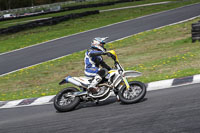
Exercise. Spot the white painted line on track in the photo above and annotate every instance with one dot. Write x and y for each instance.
(96, 29)
(27, 21)
(113, 9)
(109, 42)
(128, 7)
(33, 65)
(158, 28)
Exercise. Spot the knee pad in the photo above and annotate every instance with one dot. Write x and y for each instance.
(102, 72)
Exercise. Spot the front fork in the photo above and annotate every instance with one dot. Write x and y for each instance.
(125, 80)
(121, 85)
(126, 83)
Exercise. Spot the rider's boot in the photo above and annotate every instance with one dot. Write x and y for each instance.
(92, 87)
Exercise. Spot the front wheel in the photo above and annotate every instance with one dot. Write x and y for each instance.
(134, 94)
(65, 100)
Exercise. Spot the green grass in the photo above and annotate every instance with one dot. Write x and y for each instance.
(43, 34)
(159, 54)
(5, 24)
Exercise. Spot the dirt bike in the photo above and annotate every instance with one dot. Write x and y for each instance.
(114, 83)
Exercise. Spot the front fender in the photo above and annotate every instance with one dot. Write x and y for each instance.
(130, 73)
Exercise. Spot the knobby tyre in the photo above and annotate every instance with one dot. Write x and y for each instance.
(136, 93)
(64, 102)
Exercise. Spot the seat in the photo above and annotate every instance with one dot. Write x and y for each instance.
(84, 79)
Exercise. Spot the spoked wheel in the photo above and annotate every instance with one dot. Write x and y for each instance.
(65, 100)
(134, 94)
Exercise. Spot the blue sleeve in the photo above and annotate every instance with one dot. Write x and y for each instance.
(95, 53)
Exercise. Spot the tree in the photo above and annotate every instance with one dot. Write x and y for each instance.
(3, 5)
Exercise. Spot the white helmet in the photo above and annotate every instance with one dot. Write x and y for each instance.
(96, 43)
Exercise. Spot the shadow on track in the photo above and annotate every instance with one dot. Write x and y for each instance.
(109, 101)
(141, 101)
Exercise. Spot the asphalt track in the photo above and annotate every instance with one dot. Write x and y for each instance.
(50, 50)
(173, 110)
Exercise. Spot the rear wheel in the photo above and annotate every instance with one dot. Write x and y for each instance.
(134, 94)
(65, 100)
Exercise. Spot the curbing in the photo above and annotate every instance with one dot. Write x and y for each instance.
(157, 85)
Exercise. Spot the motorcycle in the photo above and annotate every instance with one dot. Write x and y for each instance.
(115, 83)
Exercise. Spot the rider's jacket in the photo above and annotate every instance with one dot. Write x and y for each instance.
(93, 60)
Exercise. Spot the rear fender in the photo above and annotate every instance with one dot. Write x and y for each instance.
(70, 79)
(62, 82)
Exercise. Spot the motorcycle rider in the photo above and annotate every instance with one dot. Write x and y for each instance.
(93, 60)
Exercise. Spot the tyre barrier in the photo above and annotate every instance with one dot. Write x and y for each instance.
(98, 4)
(195, 32)
(45, 22)
(72, 8)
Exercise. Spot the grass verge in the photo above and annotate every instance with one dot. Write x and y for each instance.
(43, 34)
(159, 54)
(5, 24)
